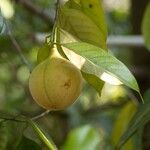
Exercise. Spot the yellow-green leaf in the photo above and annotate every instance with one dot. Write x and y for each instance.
(93, 9)
(81, 26)
(146, 26)
(121, 124)
(43, 53)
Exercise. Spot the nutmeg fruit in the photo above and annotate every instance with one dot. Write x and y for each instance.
(55, 83)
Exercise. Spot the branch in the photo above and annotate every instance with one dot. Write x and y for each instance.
(4, 118)
(17, 46)
(36, 11)
(11, 119)
(40, 115)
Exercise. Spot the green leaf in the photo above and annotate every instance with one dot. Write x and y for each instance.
(75, 4)
(146, 26)
(122, 122)
(94, 81)
(93, 9)
(81, 26)
(43, 53)
(48, 143)
(141, 117)
(65, 37)
(82, 138)
(102, 62)
(27, 144)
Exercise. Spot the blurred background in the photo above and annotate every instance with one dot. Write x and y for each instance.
(93, 122)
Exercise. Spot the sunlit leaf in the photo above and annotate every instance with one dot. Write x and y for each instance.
(146, 26)
(27, 144)
(82, 138)
(103, 62)
(78, 24)
(93, 9)
(141, 117)
(66, 37)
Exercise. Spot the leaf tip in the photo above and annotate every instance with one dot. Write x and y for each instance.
(141, 98)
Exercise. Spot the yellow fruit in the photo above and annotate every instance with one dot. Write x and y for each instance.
(55, 83)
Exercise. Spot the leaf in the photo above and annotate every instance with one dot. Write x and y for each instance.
(65, 37)
(93, 9)
(75, 4)
(94, 81)
(81, 26)
(146, 26)
(122, 122)
(141, 117)
(102, 62)
(48, 143)
(82, 138)
(27, 144)
(43, 53)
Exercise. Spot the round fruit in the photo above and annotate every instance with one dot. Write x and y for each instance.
(55, 83)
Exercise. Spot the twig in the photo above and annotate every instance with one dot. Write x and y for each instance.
(37, 11)
(11, 119)
(40, 115)
(17, 47)
(57, 9)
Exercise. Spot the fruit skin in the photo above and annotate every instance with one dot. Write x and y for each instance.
(55, 83)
